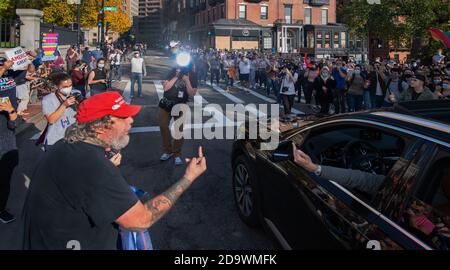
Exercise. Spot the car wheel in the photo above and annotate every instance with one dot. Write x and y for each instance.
(245, 192)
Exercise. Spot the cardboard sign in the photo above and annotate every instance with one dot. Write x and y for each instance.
(19, 57)
(49, 46)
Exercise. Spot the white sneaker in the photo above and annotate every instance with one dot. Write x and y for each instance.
(178, 161)
(165, 157)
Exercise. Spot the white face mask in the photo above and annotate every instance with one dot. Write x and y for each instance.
(101, 65)
(66, 91)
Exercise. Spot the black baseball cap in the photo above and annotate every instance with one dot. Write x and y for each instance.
(419, 77)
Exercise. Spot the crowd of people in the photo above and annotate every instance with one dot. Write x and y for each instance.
(337, 86)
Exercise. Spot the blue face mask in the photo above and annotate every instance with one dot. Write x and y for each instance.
(445, 86)
(436, 82)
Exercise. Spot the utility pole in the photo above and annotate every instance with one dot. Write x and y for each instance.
(102, 33)
(78, 2)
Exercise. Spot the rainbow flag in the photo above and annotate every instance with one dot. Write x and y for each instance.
(441, 36)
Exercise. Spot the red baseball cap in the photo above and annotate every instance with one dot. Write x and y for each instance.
(107, 103)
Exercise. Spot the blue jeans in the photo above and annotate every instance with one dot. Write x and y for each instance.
(366, 100)
(136, 77)
(377, 101)
(252, 77)
(354, 102)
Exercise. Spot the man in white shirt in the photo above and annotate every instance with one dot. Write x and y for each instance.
(137, 70)
(114, 62)
(244, 71)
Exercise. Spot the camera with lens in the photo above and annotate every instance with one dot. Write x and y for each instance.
(78, 97)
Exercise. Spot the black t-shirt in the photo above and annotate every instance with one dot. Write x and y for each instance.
(76, 194)
(415, 95)
(178, 92)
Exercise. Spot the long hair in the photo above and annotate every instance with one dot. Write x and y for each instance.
(86, 132)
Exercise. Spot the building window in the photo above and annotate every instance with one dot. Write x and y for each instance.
(327, 40)
(324, 16)
(308, 15)
(242, 11)
(343, 40)
(267, 43)
(264, 12)
(319, 38)
(288, 13)
(336, 40)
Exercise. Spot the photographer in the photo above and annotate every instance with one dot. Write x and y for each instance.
(288, 77)
(79, 77)
(57, 109)
(78, 197)
(181, 83)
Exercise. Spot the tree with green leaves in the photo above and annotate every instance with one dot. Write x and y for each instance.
(398, 20)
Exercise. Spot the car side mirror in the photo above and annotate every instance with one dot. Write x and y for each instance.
(284, 152)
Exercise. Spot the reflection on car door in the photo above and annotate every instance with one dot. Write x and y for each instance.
(287, 210)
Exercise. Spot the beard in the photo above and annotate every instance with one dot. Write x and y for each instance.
(119, 143)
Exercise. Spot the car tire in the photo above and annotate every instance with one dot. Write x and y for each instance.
(245, 192)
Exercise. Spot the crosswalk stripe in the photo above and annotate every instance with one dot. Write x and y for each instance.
(267, 99)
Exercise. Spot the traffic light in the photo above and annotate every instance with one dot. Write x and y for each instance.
(209, 33)
(100, 19)
(108, 27)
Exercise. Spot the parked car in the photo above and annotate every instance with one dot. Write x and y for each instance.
(408, 144)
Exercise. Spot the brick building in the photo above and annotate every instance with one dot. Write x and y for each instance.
(286, 25)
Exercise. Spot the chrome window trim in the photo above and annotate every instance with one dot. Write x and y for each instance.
(393, 224)
(425, 137)
(429, 123)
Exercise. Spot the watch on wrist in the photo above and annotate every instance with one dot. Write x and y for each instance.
(318, 172)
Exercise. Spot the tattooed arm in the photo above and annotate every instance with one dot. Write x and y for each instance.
(142, 216)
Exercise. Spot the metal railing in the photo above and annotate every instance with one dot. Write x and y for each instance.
(9, 33)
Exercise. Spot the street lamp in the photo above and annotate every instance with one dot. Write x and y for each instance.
(78, 3)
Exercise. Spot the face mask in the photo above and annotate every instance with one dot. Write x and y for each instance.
(357, 72)
(101, 66)
(445, 86)
(325, 75)
(447, 71)
(136, 55)
(436, 82)
(66, 91)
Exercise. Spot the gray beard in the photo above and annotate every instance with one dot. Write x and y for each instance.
(120, 143)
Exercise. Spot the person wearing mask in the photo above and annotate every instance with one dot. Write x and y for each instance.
(9, 154)
(78, 75)
(444, 93)
(395, 85)
(97, 78)
(114, 60)
(310, 76)
(356, 81)
(86, 55)
(253, 71)
(418, 91)
(228, 67)
(324, 86)
(180, 84)
(339, 74)
(97, 53)
(138, 70)
(287, 90)
(263, 68)
(57, 109)
(79, 195)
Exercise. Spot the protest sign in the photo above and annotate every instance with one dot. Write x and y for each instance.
(49, 46)
(19, 57)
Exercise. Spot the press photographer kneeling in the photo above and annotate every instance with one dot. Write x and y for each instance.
(180, 84)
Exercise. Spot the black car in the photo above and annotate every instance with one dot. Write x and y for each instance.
(407, 145)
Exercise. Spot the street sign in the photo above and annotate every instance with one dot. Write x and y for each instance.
(111, 8)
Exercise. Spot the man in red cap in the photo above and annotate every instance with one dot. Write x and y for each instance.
(78, 197)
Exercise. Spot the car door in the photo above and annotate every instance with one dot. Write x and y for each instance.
(286, 210)
(421, 204)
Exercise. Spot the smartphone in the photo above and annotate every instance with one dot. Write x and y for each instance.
(109, 154)
(4, 99)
